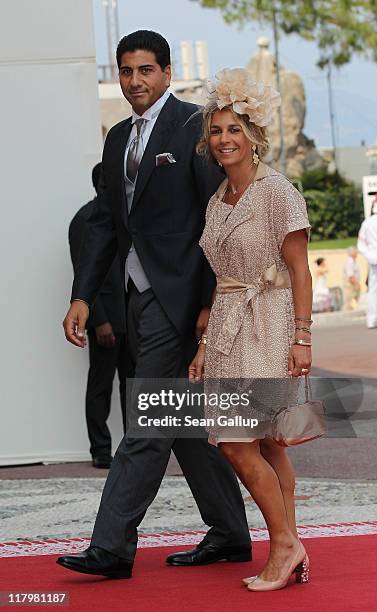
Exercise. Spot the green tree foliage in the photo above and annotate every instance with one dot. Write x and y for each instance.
(294, 15)
(339, 27)
(344, 28)
(335, 205)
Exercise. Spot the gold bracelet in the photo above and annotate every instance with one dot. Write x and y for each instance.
(305, 329)
(203, 339)
(305, 320)
(302, 342)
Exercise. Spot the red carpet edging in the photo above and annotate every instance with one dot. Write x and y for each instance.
(160, 540)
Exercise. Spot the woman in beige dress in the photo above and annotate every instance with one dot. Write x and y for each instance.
(255, 239)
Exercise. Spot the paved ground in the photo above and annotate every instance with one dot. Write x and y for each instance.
(345, 346)
(324, 458)
(65, 508)
(336, 476)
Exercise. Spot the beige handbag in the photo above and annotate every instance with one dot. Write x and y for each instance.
(300, 423)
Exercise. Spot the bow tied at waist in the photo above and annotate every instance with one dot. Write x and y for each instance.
(249, 298)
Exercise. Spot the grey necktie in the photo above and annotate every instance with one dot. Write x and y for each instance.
(135, 152)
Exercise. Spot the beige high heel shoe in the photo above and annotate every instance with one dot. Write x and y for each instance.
(299, 566)
(247, 581)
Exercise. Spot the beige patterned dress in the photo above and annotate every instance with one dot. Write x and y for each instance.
(250, 331)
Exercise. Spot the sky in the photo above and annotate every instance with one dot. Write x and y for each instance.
(355, 85)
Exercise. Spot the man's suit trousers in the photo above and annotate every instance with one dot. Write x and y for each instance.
(156, 350)
(103, 365)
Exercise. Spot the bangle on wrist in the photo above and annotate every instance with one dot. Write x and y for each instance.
(203, 339)
(301, 342)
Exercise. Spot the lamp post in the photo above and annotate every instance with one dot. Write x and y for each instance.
(332, 115)
(282, 157)
(112, 31)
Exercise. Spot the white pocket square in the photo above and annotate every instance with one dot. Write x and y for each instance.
(165, 158)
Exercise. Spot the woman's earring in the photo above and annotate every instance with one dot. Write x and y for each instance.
(220, 164)
(255, 154)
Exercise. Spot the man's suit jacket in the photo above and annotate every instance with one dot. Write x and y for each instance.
(166, 219)
(109, 305)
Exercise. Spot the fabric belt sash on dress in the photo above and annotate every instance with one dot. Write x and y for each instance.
(250, 293)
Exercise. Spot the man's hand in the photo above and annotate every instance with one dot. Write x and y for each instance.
(74, 323)
(202, 322)
(105, 335)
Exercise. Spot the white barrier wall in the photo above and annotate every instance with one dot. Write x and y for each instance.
(50, 140)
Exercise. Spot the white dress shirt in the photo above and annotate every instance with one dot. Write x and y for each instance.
(134, 268)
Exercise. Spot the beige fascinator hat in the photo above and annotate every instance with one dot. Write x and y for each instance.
(236, 88)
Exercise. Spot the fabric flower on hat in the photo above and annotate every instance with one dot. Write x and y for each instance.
(235, 87)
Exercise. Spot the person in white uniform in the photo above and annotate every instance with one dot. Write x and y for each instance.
(367, 246)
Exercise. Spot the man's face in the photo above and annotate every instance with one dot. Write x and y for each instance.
(142, 79)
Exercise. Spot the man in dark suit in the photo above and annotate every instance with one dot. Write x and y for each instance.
(106, 328)
(151, 205)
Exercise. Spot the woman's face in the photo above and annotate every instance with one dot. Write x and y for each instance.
(227, 142)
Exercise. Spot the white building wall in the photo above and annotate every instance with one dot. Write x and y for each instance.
(50, 140)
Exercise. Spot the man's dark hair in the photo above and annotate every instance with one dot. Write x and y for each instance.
(96, 173)
(145, 40)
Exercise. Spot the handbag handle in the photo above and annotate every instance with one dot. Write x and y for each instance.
(308, 389)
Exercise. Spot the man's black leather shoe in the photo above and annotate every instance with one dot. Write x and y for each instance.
(97, 561)
(103, 462)
(206, 553)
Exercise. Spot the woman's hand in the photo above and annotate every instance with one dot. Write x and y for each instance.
(196, 367)
(202, 322)
(299, 360)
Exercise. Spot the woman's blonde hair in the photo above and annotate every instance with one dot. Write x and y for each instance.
(257, 135)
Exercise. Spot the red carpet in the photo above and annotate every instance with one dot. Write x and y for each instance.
(343, 578)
